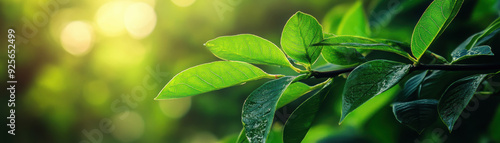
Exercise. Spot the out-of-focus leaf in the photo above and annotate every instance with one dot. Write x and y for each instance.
(386, 10)
(357, 42)
(456, 98)
(301, 119)
(432, 23)
(208, 77)
(354, 22)
(299, 34)
(259, 108)
(369, 80)
(294, 91)
(247, 48)
(417, 114)
(411, 86)
(461, 54)
(332, 19)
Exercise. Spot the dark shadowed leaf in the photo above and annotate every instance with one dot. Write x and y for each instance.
(299, 34)
(436, 82)
(461, 54)
(247, 48)
(412, 85)
(417, 114)
(369, 80)
(259, 108)
(211, 76)
(432, 23)
(477, 39)
(456, 98)
(301, 119)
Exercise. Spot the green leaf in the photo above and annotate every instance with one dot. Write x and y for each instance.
(461, 54)
(470, 47)
(475, 39)
(433, 22)
(354, 21)
(247, 48)
(299, 34)
(294, 91)
(417, 114)
(435, 83)
(369, 80)
(301, 119)
(241, 137)
(342, 56)
(209, 77)
(457, 97)
(411, 86)
(362, 43)
(259, 108)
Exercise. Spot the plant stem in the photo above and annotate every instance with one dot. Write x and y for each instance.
(478, 67)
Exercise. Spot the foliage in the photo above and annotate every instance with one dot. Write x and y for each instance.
(303, 40)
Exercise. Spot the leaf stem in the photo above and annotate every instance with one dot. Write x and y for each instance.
(478, 67)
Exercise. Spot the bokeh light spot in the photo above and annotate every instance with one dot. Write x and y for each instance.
(109, 18)
(175, 108)
(77, 38)
(140, 20)
(129, 126)
(183, 3)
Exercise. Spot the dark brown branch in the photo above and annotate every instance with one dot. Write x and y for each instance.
(317, 74)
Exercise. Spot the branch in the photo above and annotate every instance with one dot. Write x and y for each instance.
(317, 74)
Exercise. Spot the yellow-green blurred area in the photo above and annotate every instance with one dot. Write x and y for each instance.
(88, 71)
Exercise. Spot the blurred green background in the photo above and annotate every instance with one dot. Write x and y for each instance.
(83, 64)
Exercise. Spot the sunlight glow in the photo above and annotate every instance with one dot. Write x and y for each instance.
(183, 3)
(77, 38)
(109, 18)
(140, 20)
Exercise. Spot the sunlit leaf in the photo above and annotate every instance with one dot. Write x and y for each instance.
(412, 85)
(299, 34)
(294, 91)
(369, 80)
(457, 97)
(247, 48)
(342, 56)
(259, 108)
(301, 119)
(417, 114)
(432, 23)
(357, 42)
(208, 77)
